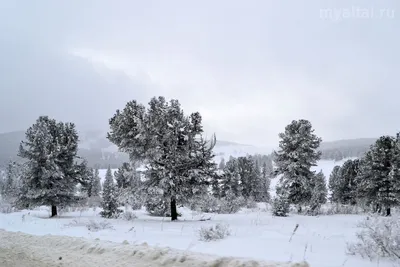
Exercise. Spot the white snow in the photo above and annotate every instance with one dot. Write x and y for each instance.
(18, 248)
(320, 241)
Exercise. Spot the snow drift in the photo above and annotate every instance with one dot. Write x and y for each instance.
(41, 251)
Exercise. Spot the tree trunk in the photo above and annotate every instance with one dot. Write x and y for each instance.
(174, 212)
(388, 213)
(53, 211)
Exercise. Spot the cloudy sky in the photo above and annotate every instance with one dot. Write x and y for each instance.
(249, 67)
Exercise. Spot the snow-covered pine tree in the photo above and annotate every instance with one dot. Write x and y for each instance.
(266, 172)
(129, 186)
(258, 183)
(221, 165)
(215, 184)
(88, 176)
(124, 176)
(394, 178)
(334, 185)
(375, 181)
(96, 183)
(110, 198)
(179, 159)
(247, 176)
(297, 154)
(319, 194)
(347, 182)
(11, 181)
(51, 174)
(230, 180)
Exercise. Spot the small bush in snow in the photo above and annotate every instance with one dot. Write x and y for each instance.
(332, 209)
(6, 207)
(128, 216)
(213, 233)
(251, 204)
(94, 226)
(379, 237)
(280, 206)
(231, 204)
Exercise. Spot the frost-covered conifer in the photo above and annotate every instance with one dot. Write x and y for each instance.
(11, 181)
(377, 181)
(230, 180)
(334, 185)
(51, 174)
(319, 194)
(179, 159)
(266, 172)
(347, 182)
(110, 198)
(96, 183)
(297, 154)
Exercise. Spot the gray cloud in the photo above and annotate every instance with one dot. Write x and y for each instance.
(249, 67)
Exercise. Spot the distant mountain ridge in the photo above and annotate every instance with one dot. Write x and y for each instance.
(95, 147)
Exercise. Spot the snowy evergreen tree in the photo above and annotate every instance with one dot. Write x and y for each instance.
(110, 198)
(221, 165)
(297, 154)
(378, 181)
(230, 180)
(11, 181)
(319, 194)
(266, 172)
(96, 183)
(347, 182)
(52, 174)
(334, 185)
(124, 176)
(129, 186)
(216, 184)
(87, 177)
(247, 176)
(280, 205)
(179, 159)
(258, 183)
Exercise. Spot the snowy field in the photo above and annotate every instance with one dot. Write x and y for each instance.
(255, 234)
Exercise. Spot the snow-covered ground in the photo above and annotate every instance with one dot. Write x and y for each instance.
(320, 241)
(18, 249)
(256, 234)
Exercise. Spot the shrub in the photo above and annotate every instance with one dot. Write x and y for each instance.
(251, 204)
(379, 237)
(5, 207)
(94, 226)
(280, 206)
(332, 209)
(128, 216)
(213, 233)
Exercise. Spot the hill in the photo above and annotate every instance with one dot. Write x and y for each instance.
(95, 147)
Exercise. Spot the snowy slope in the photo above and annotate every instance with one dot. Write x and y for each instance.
(78, 252)
(320, 241)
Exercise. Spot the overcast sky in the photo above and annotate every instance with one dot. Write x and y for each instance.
(249, 67)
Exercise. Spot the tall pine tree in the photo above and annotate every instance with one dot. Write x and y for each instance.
(179, 159)
(378, 181)
(297, 154)
(334, 185)
(52, 173)
(110, 198)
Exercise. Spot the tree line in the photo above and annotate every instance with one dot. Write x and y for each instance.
(179, 168)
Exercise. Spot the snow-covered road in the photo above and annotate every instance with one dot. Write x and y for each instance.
(23, 250)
